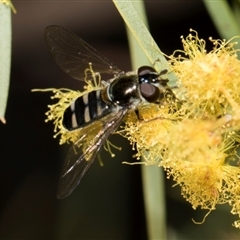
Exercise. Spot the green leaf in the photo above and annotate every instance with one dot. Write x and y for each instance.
(5, 57)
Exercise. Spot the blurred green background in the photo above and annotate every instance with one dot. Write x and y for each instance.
(108, 204)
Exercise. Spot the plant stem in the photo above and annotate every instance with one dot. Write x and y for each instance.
(142, 51)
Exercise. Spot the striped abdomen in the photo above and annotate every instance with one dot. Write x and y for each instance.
(84, 110)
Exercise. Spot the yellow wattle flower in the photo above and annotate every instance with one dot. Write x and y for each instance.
(201, 155)
(64, 98)
(197, 140)
(194, 137)
(208, 81)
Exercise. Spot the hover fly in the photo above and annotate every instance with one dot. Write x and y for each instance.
(98, 113)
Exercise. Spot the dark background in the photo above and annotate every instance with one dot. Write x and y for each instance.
(108, 204)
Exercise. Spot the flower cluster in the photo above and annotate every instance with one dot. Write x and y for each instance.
(65, 97)
(194, 132)
(198, 143)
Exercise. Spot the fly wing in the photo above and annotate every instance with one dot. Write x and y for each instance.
(73, 54)
(82, 154)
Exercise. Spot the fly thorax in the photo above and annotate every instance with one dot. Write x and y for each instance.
(124, 91)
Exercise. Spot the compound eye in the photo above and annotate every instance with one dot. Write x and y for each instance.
(147, 74)
(146, 70)
(150, 92)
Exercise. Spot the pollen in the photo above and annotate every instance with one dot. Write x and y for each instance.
(208, 81)
(149, 134)
(196, 139)
(202, 154)
(64, 98)
(195, 159)
(193, 133)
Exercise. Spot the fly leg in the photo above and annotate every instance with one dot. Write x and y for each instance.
(140, 119)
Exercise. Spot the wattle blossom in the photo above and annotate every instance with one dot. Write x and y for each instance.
(198, 143)
(193, 134)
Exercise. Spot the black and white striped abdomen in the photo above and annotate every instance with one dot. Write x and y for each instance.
(84, 110)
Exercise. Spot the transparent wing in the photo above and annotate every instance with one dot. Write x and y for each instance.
(73, 54)
(82, 154)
